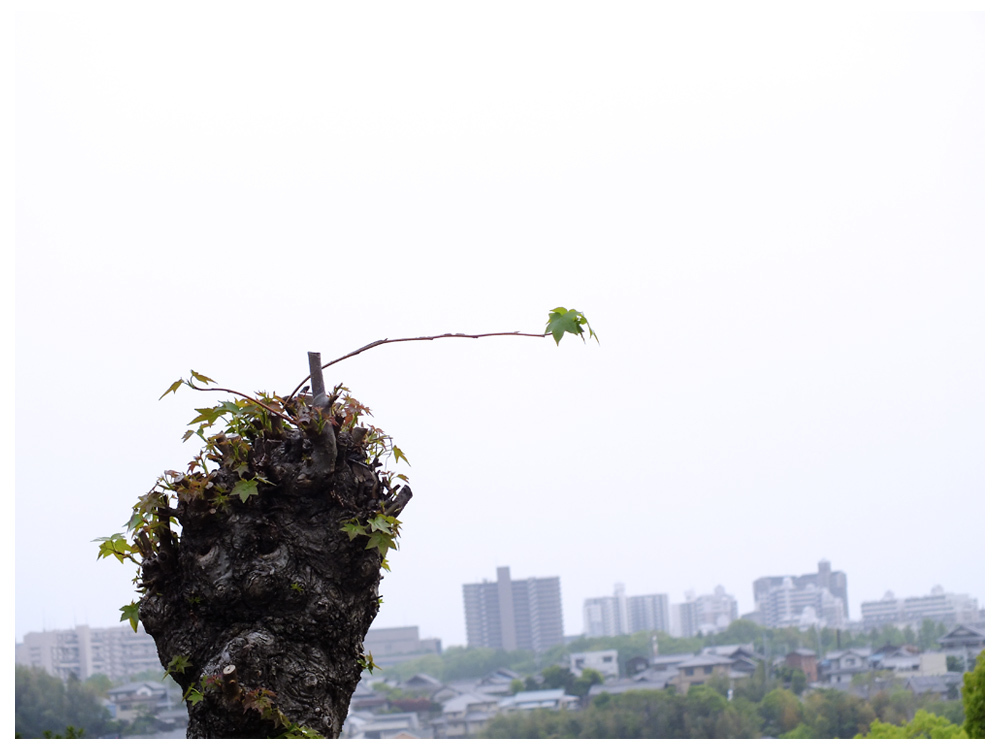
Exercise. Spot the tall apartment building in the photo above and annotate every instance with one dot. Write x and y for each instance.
(707, 613)
(620, 614)
(649, 612)
(84, 651)
(510, 615)
(940, 606)
(814, 598)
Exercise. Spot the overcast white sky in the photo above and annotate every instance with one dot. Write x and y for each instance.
(774, 220)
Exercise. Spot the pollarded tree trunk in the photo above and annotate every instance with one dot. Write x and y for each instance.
(261, 605)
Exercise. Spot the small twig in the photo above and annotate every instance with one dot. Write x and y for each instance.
(373, 344)
(248, 398)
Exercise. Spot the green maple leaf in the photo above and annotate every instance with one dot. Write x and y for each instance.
(380, 523)
(130, 612)
(172, 389)
(208, 415)
(381, 540)
(245, 488)
(562, 321)
(179, 663)
(115, 545)
(352, 530)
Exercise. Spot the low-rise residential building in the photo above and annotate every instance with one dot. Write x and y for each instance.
(804, 659)
(697, 671)
(841, 666)
(947, 686)
(742, 654)
(422, 684)
(659, 681)
(968, 637)
(386, 727)
(138, 699)
(496, 683)
(366, 698)
(605, 662)
(933, 664)
(665, 662)
(907, 661)
(529, 700)
(964, 642)
(464, 715)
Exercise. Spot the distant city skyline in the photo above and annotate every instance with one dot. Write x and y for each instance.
(531, 622)
(877, 604)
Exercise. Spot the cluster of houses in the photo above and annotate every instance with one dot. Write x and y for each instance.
(461, 709)
(158, 701)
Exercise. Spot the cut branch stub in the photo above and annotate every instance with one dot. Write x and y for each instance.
(230, 683)
(320, 399)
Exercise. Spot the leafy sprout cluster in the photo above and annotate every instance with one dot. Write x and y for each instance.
(220, 473)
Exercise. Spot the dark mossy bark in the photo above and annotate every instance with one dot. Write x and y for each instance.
(268, 599)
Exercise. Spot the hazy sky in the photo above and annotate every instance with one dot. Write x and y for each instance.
(774, 220)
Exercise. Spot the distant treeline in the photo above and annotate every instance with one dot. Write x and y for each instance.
(705, 713)
(45, 706)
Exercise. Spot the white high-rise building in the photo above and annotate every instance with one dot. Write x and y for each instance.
(621, 614)
(703, 614)
(781, 600)
(940, 606)
(84, 651)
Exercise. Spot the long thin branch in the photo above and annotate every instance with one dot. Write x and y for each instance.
(248, 398)
(373, 344)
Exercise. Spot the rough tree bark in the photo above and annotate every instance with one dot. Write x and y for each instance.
(268, 601)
